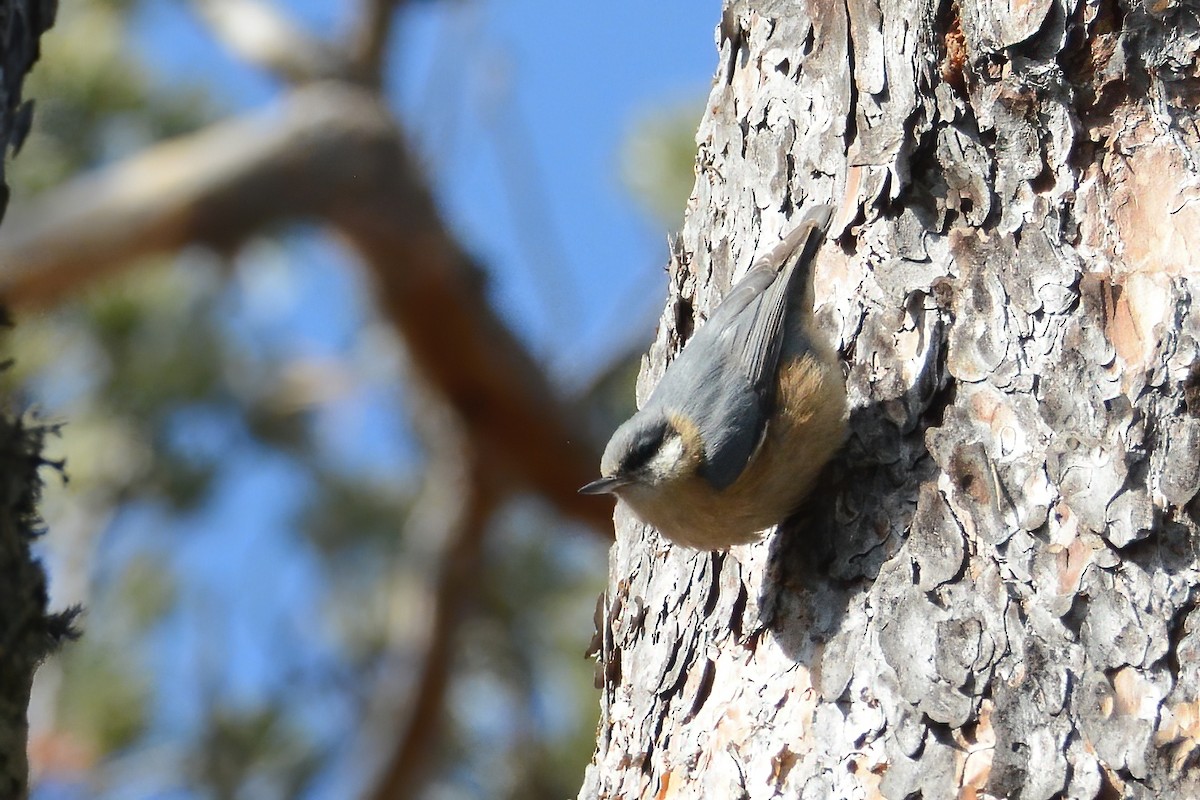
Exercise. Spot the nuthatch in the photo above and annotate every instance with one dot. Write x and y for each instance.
(744, 418)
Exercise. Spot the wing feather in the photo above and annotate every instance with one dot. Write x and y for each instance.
(725, 377)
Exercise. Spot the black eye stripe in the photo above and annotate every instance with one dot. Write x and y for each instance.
(643, 450)
(643, 453)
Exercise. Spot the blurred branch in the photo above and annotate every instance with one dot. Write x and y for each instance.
(451, 514)
(329, 152)
(371, 38)
(261, 35)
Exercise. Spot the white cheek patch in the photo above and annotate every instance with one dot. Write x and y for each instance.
(667, 460)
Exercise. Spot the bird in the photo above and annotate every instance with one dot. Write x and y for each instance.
(744, 419)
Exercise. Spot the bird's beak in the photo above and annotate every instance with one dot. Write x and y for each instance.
(604, 485)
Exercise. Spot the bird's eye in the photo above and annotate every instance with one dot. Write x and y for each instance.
(641, 452)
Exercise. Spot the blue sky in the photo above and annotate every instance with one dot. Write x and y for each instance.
(519, 108)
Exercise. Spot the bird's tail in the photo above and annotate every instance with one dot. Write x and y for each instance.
(799, 246)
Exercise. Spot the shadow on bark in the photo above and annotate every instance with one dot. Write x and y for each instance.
(831, 550)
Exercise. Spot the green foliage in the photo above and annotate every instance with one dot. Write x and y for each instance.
(145, 592)
(105, 695)
(94, 99)
(658, 158)
(118, 364)
(253, 753)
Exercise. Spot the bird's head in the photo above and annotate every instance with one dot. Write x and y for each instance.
(651, 451)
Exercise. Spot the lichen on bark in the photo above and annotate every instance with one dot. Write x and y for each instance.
(27, 632)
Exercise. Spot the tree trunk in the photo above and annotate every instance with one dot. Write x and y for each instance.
(995, 592)
(27, 633)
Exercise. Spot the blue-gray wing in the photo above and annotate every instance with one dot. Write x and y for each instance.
(756, 334)
(725, 377)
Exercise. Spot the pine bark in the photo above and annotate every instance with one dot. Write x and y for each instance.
(995, 591)
(27, 632)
